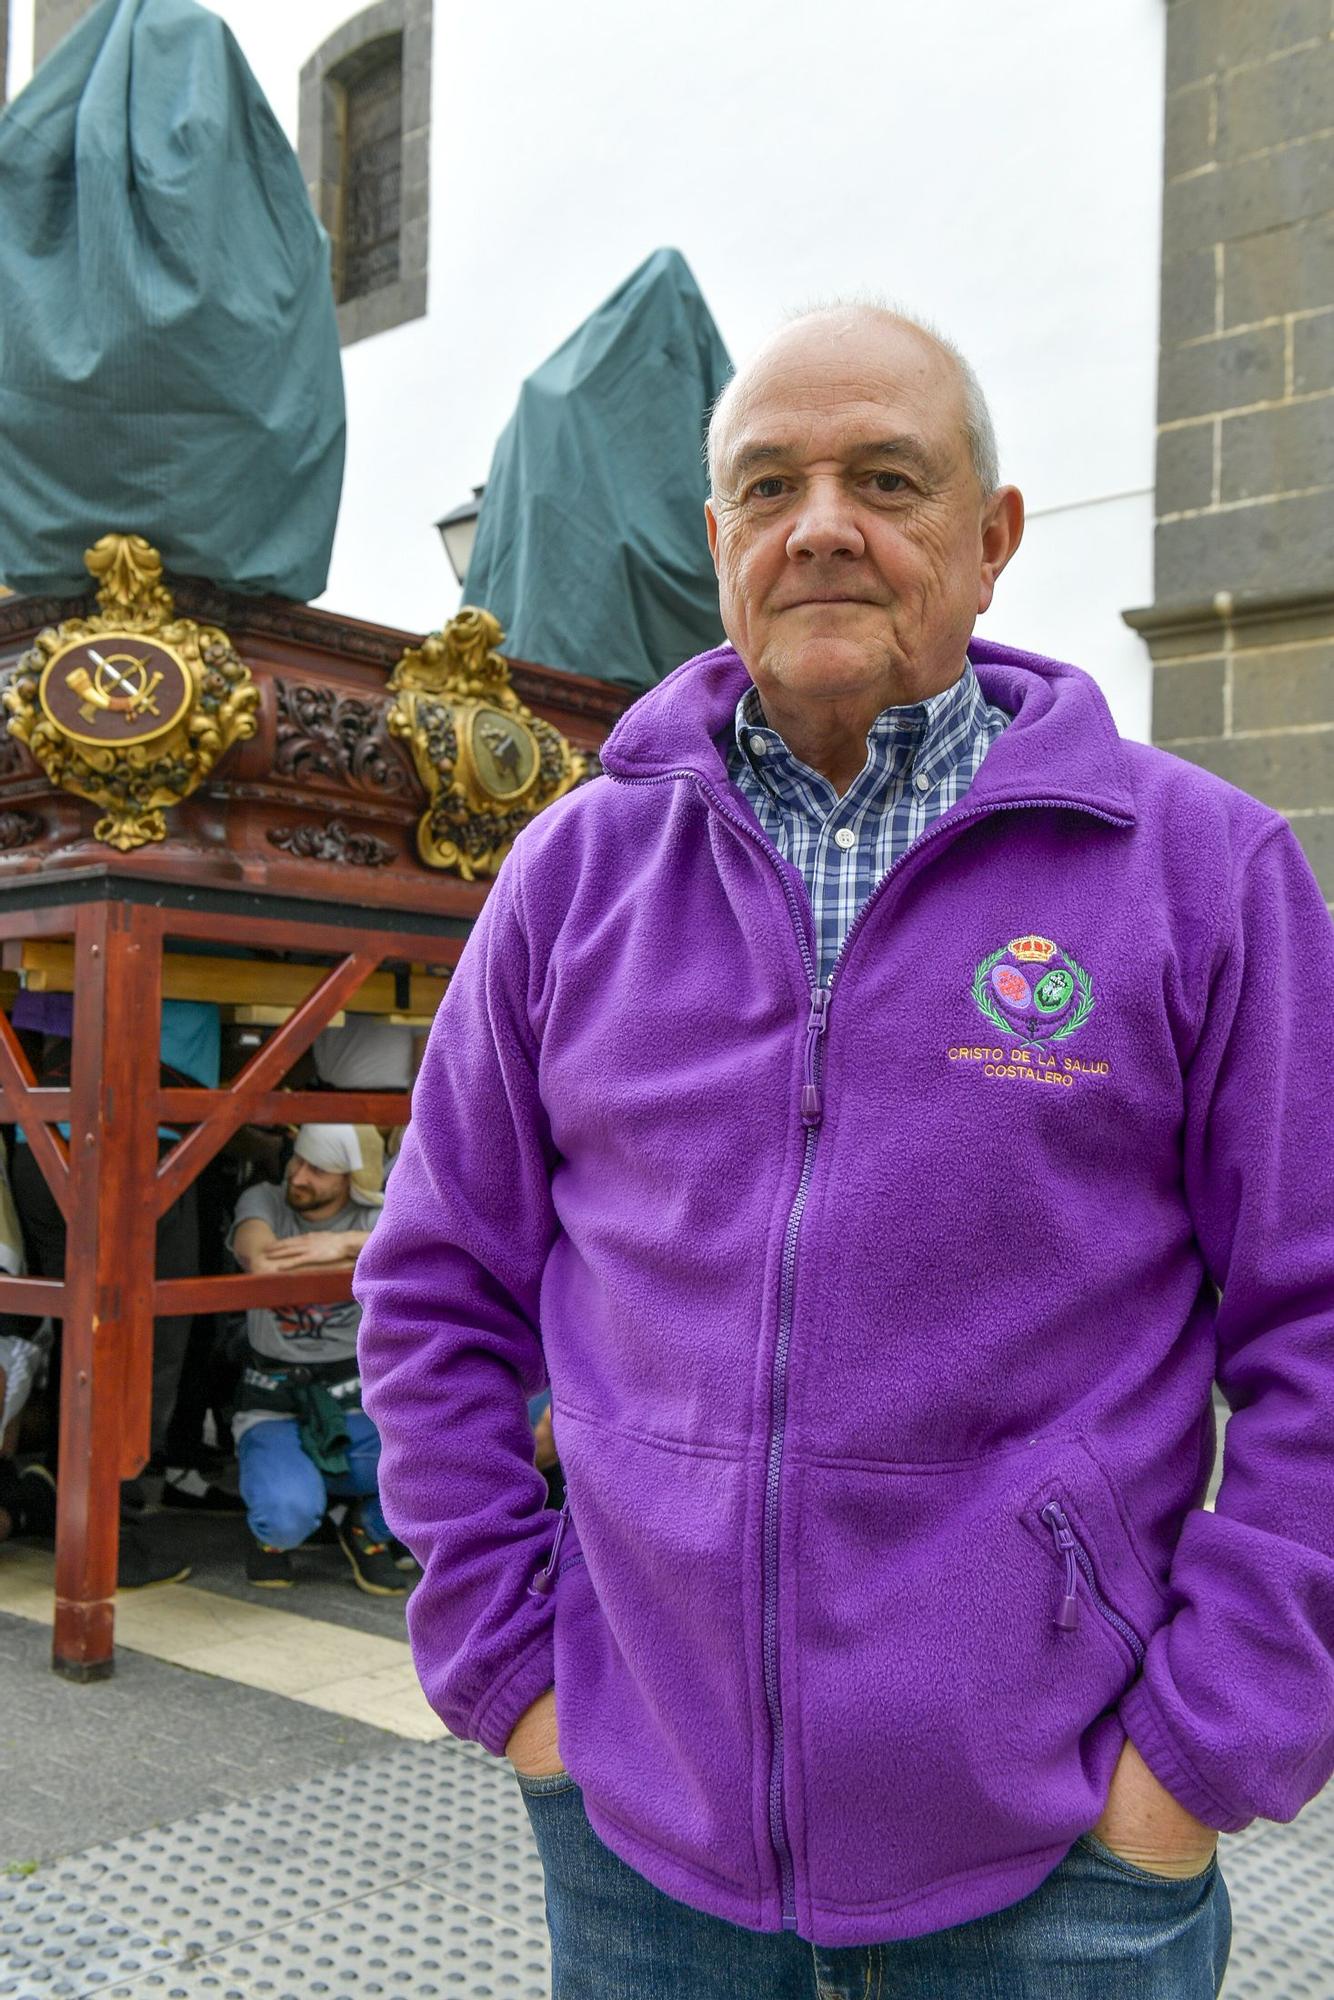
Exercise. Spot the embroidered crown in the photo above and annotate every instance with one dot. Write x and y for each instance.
(1033, 950)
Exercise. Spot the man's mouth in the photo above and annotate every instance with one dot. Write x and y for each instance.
(805, 603)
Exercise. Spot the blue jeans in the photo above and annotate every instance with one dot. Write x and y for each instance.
(1098, 1928)
(286, 1495)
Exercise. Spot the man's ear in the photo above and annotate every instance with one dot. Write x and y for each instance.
(1002, 532)
(711, 529)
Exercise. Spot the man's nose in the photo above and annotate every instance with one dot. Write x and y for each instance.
(826, 525)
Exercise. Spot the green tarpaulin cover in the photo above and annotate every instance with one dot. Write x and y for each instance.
(590, 545)
(169, 359)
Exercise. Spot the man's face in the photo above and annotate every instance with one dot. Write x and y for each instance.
(313, 1190)
(853, 545)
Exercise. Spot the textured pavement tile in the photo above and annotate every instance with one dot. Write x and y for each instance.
(156, 1743)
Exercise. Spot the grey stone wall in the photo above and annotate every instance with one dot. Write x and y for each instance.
(318, 148)
(1242, 627)
(52, 21)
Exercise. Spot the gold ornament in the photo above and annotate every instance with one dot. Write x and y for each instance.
(488, 763)
(133, 707)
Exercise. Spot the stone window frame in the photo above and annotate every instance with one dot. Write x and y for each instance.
(319, 151)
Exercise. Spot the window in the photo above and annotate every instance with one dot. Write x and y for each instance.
(364, 145)
(367, 243)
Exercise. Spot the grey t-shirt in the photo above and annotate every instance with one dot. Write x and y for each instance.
(301, 1333)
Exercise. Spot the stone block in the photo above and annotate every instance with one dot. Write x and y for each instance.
(1288, 770)
(1188, 700)
(1313, 354)
(1284, 450)
(1208, 35)
(1189, 297)
(1258, 551)
(1226, 372)
(1286, 687)
(1185, 473)
(1280, 271)
(1273, 103)
(1245, 196)
(1315, 831)
(1188, 128)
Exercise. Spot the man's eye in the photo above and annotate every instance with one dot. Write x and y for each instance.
(766, 489)
(888, 482)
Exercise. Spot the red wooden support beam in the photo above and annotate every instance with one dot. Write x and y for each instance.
(35, 1297)
(20, 1091)
(234, 1293)
(231, 1108)
(108, 1325)
(293, 1107)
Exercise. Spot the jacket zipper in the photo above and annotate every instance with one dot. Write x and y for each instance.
(1077, 1564)
(544, 1581)
(812, 1114)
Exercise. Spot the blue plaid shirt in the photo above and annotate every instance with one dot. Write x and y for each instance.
(920, 761)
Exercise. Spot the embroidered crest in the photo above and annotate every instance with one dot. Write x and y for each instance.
(1032, 990)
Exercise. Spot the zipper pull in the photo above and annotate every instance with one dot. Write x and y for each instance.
(812, 1104)
(542, 1583)
(1067, 1618)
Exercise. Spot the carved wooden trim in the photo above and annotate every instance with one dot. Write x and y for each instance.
(330, 842)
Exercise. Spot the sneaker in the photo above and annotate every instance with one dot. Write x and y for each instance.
(183, 1487)
(144, 1562)
(373, 1565)
(403, 1557)
(268, 1568)
(36, 1496)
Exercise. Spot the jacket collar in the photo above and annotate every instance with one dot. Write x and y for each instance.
(1061, 747)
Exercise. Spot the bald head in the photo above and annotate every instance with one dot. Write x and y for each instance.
(840, 340)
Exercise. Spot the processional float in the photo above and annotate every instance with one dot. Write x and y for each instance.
(208, 790)
(247, 801)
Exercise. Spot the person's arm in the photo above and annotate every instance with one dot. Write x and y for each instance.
(1234, 1710)
(252, 1242)
(321, 1246)
(450, 1349)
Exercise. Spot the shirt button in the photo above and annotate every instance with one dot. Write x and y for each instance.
(845, 838)
(922, 782)
(758, 746)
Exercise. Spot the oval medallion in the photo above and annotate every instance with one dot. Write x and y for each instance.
(115, 690)
(1010, 986)
(1054, 991)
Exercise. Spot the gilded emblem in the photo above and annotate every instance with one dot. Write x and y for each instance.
(489, 764)
(133, 707)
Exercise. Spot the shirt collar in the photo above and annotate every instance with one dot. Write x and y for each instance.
(923, 737)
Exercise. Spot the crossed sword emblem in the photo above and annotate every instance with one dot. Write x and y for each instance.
(134, 698)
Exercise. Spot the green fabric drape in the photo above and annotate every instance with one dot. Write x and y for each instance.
(590, 545)
(169, 360)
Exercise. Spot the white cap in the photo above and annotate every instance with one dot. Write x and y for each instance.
(335, 1149)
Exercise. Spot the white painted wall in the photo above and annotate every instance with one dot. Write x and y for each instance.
(995, 168)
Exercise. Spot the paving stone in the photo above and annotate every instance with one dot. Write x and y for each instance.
(410, 1867)
(152, 1744)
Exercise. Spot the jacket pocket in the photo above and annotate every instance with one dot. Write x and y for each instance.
(654, 1695)
(957, 1664)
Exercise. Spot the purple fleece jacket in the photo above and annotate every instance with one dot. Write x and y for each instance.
(880, 1331)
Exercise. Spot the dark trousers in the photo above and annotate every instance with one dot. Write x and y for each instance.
(177, 1257)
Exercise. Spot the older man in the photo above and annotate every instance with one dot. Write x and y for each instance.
(855, 1106)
